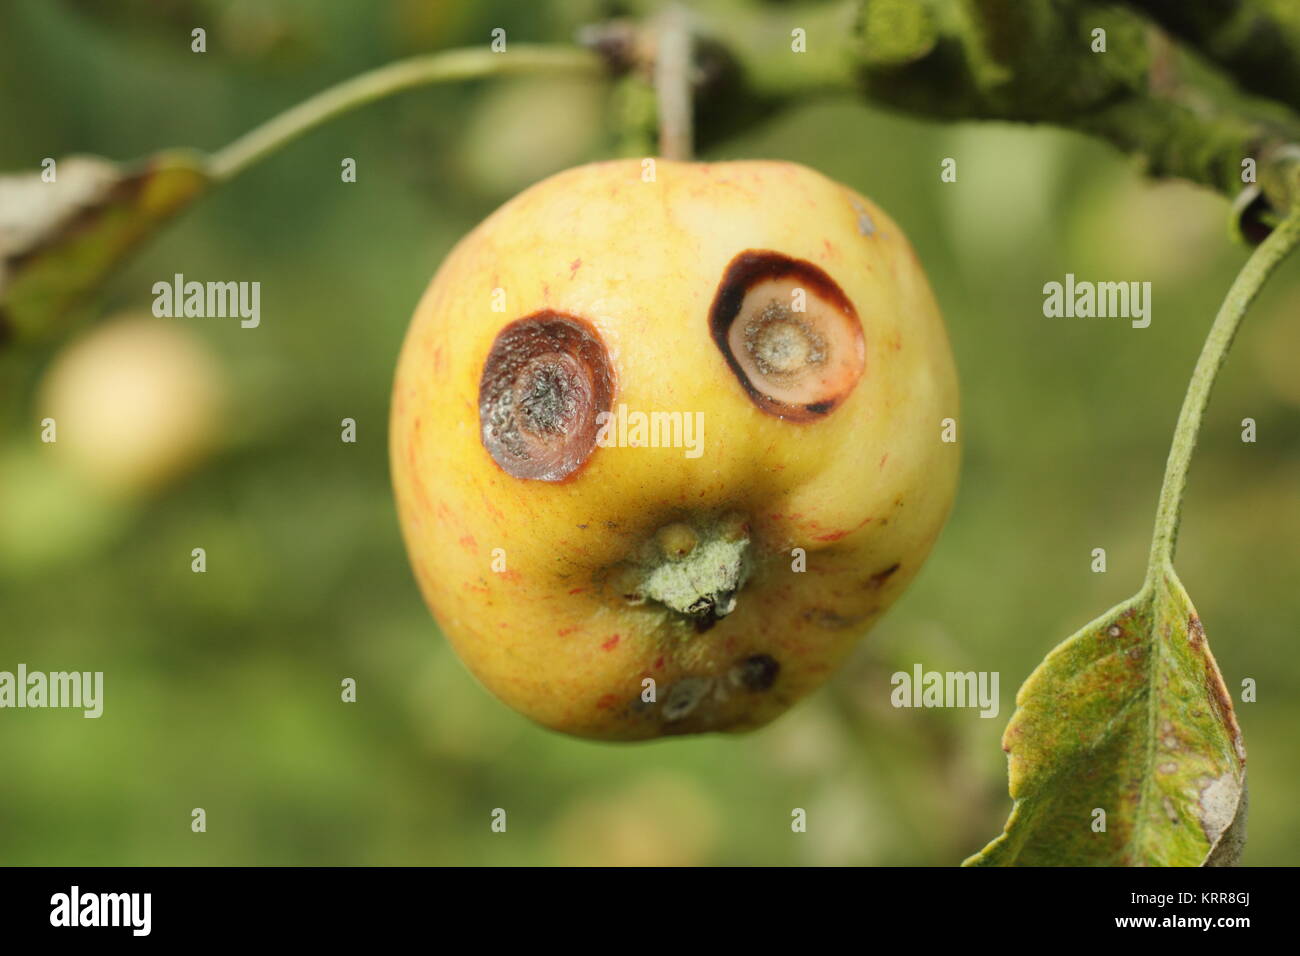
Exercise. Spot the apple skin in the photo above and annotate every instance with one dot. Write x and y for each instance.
(528, 577)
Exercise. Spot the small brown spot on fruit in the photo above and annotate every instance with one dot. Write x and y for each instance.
(684, 696)
(877, 580)
(757, 672)
(832, 620)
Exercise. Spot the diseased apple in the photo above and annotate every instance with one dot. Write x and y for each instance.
(666, 440)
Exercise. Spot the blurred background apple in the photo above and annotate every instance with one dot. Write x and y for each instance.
(136, 402)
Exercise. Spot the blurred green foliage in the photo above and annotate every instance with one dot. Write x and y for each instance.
(222, 689)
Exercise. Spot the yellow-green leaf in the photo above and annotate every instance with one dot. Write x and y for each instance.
(1124, 749)
(60, 239)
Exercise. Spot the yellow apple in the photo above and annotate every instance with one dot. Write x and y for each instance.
(667, 438)
(136, 402)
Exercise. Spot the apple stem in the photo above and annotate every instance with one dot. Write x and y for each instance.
(443, 67)
(673, 83)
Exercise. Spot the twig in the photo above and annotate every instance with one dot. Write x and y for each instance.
(1027, 61)
(1256, 41)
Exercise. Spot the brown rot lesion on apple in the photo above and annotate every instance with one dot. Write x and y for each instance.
(789, 334)
(545, 381)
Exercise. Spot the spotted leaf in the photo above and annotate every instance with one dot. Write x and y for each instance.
(1124, 749)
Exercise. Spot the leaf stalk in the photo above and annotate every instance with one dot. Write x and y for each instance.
(1241, 294)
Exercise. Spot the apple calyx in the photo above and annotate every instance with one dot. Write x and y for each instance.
(695, 570)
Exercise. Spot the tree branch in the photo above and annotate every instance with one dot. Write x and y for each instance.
(1029, 61)
(1256, 41)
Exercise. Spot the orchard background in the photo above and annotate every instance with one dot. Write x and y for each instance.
(222, 688)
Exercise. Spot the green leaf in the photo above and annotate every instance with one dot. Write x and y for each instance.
(59, 240)
(1130, 716)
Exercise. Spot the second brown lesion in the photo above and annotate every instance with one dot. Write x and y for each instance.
(789, 334)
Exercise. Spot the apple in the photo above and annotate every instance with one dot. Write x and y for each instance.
(668, 438)
(136, 402)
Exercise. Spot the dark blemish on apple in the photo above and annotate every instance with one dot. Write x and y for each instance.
(880, 577)
(684, 696)
(545, 380)
(757, 673)
(831, 620)
(779, 355)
